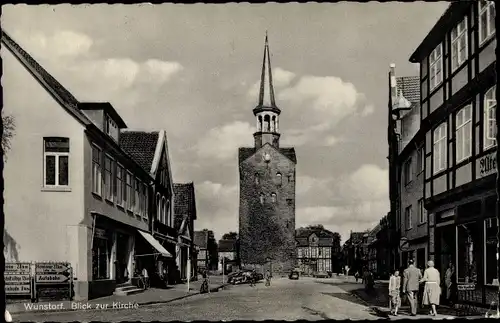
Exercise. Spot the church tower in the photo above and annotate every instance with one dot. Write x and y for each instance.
(267, 187)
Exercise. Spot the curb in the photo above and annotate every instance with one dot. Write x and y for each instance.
(64, 310)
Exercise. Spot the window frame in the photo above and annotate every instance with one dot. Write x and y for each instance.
(461, 36)
(130, 191)
(420, 160)
(99, 167)
(111, 185)
(137, 195)
(462, 129)
(408, 171)
(489, 5)
(421, 212)
(56, 155)
(443, 144)
(489, 104)
(119, 198)
(434, 59)
(409, 217)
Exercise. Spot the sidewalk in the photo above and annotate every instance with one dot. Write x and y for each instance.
(378, 299)
(148, 297)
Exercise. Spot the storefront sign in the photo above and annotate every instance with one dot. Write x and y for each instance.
(466, 286)
(486, 165)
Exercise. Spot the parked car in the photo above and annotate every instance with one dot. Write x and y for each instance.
(294, 275)
(243, 277)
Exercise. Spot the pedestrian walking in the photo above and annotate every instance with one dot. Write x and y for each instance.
(411, 281)
(432, 289)
(394, 293)
(449, 279)
(268, 278)
(252, 278)
(356, 275)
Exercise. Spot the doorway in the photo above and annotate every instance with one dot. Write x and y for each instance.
(122, 258)
(445, 247)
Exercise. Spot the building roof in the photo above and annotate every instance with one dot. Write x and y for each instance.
(140, 145)
(266, 91)
(325, 237)
(55, 89)
(184, 203)
(201, 239)
(227, 246)
(409, 86)
(244, 153)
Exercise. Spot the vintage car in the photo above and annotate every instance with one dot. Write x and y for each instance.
(294, 275)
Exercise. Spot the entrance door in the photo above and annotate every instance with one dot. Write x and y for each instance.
(122, 255)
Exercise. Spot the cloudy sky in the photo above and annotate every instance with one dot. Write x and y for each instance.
(192, 70)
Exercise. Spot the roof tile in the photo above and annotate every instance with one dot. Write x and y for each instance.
(184, 203)
(141, 146)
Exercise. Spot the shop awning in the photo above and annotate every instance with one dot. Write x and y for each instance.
(153, 242)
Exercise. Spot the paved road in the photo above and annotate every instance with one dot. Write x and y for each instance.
(307, 299)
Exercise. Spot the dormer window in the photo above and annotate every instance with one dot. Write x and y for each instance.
(111, 128)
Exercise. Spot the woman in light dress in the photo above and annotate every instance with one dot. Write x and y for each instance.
(432, 289)
(394, 293)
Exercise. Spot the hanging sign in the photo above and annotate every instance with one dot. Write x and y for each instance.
(486, 165)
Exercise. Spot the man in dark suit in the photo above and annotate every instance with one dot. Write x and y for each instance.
(411, 282)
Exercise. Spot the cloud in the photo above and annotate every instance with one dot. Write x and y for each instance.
(71, 58)
(220, 209)
(222, 143)
(355, 201)
(369, 109)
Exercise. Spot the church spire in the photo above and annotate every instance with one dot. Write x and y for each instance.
(266, 94)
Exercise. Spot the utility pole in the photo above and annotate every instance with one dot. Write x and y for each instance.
(223, 270)
(188, 267)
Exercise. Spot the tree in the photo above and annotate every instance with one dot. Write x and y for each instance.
(230, 236)
(9, 126)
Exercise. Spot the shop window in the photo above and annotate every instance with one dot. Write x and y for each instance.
(468, 250)
(491, 227)
(101, 251)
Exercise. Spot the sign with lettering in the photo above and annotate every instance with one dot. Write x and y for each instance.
(17, 267)
(486, 165)
(52, 268)
(16, 279)
(466, 286)
(100, 233)
(51, 279)
(18, 289)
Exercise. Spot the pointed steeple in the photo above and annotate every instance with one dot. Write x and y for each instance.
(266, 94)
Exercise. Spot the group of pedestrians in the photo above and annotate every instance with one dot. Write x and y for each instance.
(412, 278)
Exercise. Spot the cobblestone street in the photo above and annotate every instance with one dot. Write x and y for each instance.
(285, 299)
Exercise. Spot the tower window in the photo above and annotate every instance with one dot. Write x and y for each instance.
(273, 124)
(273, 197)
(261, 198)
(257, 179)
(289, 202)
(259, 125)
(279, 178)
(290, 178)
(267, 123)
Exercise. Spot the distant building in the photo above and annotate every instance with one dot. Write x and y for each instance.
(267, 187)
(185, 215)
(355, 252)
(207, 257)
(316, 248)
(228, 250)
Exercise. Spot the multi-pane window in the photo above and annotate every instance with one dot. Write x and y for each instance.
(490, 124)
(111, 128)
(459, 44)
(408, 172)
(158, 208)
(137, 196)
(486, 20)
(120, 173)
(96, 170)
(108, 178)
(408, 217)
(463, 133)
(56, 161)
(440, 148)
(436, 66)
(421, 212)
(420, 160)
(145, 196)
(130, 191)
